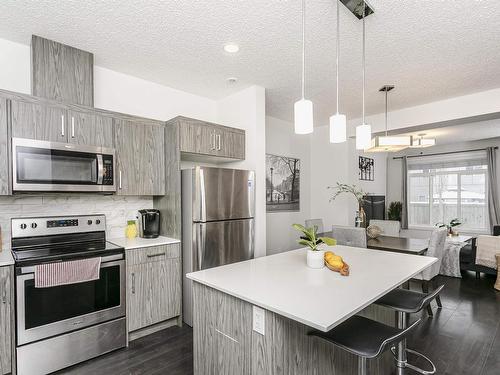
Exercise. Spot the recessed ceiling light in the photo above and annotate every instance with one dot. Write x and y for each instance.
(231, 48)
(232, 80)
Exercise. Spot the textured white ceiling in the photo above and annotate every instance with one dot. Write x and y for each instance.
(429, 49)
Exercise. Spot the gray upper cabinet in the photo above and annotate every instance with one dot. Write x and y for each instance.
(204, 138)
(140, 158)
(61, 72)
(6, 319)
(38, 121)
(89, 128)
(4, 149)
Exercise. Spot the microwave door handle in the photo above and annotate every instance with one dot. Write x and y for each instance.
(100, 169)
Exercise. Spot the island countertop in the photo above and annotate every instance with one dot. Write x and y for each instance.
(321, 299)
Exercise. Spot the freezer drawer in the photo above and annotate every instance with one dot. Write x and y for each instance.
(222, 242)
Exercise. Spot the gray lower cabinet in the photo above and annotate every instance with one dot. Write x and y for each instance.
(153, 285)
(140, 158)
(4, 149)
(38, 121)
(205, 138)
(90, 128)
(6, 314)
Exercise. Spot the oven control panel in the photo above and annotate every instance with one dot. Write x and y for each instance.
(47, 226)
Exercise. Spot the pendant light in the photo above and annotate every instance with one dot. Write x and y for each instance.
(303, 109)
(338, 132)
(388, 143)
(363, 131)
(422, 142)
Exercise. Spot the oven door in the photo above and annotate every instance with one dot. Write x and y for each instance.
(47, 312)
(53, 166)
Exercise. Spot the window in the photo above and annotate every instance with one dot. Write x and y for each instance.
(444, 187)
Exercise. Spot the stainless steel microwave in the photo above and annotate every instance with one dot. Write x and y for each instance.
(61, 167)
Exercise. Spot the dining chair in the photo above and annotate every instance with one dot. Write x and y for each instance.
(389, 227)
(349, 236)
(316, 222)
(437, 243)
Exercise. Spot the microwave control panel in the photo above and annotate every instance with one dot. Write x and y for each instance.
(107, 160)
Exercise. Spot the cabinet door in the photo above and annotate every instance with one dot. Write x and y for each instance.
(197, 137)
(154, 292)
(231, 144)
(4, 149)
(87, 128)
(38, 121)
(5, 319)
(129, 146)
(140, 158)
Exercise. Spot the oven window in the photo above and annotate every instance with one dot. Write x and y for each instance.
(44, 166)
(49, 305)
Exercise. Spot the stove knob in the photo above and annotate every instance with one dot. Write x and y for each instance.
(34, 225)
(89, 222)
(97, 222)
(23, 226)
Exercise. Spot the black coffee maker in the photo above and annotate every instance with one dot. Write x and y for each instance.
(149, 223)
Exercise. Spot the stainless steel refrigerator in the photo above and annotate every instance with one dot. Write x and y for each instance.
(218, 225)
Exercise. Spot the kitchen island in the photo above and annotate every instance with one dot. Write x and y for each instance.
(253, 317)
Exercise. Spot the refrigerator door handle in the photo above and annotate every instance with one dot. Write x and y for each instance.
(199, 248)
(203, 207)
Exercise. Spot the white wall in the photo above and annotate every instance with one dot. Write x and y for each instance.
(15, 72)
(329, 164)
(246, 110)
(281, 140)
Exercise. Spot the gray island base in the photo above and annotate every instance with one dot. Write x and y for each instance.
(226, 344)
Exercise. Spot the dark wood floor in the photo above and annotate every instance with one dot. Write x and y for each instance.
(462, 338)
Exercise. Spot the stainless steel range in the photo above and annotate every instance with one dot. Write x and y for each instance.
(62, 325)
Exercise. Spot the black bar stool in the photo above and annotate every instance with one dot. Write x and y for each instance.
(364, 337)
(407, 302)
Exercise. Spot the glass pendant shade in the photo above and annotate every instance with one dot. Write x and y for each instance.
(363, 136)
(422, 142)
(303, 113)
(389, 143)
(338, 128)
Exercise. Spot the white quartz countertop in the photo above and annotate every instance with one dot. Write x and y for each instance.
(6, 258)
(138, 242)
(321, 299)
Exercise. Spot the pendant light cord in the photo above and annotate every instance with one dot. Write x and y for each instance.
(303, 48)
(386, 90)
(364, 13)
(338, 53)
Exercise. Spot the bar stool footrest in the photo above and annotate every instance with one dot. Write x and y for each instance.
(418, 369)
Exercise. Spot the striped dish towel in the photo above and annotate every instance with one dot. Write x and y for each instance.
(63, 273)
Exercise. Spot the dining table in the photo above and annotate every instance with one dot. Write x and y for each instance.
(412, 246)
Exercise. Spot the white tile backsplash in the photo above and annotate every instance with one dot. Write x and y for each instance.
(118, 209)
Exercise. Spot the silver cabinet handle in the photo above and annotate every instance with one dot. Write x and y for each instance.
(218, 142)
(120, 179)
(213, 141)
(62, 125)
(155, 255)
(133, 283)
(72, 127)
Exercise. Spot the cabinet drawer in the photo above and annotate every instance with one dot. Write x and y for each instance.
(153, 254)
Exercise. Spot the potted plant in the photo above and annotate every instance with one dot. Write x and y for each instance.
(358, 193)
(394, 211)
(309, 238)
(450, 226)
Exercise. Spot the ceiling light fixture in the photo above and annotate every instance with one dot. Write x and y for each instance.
(338, 131)
(303, 109)
(388, 143)
(422, 142)
(231, 48)
(363, 131)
